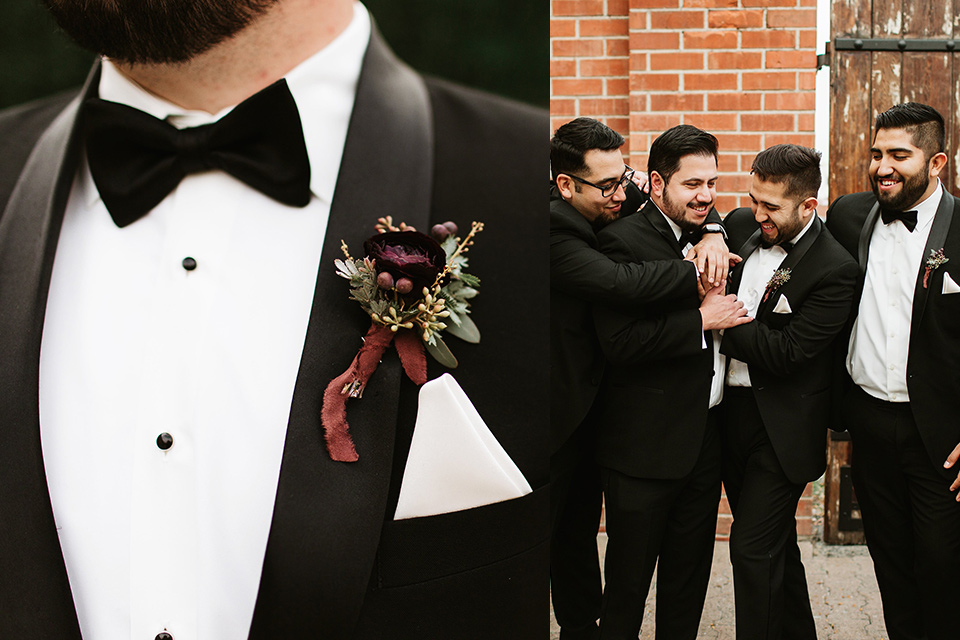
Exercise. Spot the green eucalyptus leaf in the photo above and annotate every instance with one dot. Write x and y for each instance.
(441, 353)
(467, 330)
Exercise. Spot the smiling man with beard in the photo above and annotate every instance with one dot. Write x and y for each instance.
(658, 445)
(901, 384)
(170, 315)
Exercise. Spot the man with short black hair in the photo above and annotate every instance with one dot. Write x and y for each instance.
(798, 283)
(902, 394)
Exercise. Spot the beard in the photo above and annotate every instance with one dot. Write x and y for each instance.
(911, 189)
(153, 31)
(677, 213)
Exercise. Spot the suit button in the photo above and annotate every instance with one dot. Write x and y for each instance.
(189, 263)
(163, 635)
(164, 442)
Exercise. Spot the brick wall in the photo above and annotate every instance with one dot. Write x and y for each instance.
(742, 69)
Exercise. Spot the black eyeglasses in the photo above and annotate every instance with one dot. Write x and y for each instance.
(608, 189)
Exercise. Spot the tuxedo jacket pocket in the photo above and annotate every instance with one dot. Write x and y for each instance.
(421, 549)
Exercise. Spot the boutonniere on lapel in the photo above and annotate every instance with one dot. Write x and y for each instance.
(413, 287)
(779, 278)
(934, 262)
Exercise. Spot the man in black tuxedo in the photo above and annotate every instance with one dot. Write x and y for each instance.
(592, 189)
(901, 386)
(657, 442)
(798, 283)
(333, 561)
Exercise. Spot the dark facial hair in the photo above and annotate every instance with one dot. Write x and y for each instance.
(153, 31)
(910, 191)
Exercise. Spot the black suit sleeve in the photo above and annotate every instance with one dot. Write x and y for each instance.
(811, 329)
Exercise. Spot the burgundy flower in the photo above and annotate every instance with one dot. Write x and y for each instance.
(407, 254)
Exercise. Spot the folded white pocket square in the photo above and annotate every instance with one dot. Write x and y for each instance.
(783, 305)
(949, 286)
(455, 462)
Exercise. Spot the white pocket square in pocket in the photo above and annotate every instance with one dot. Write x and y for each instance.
(949, 286)
(783, 305)
(455, 462)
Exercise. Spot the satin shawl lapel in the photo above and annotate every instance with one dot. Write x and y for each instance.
(745, 251)
(31, 561)
(328, 515)
(935, 242)
(662, 226)
(791, 260)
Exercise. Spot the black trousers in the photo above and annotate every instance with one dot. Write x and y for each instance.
(910, 518)
(770, 585)
(667, 524)
(576, 502)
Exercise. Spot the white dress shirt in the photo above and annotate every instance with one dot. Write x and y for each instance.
(758, 268)
(719, 360)
(880, 340)
(134, 345)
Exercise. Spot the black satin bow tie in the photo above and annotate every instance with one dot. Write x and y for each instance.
(689, 238)
(136, 159)
(908, 218)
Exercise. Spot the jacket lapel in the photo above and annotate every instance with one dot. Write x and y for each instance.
(660, 224)
(744, 251)
(935, 242)
(791, 260)
(328, 515)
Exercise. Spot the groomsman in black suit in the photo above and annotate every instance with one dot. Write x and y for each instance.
(902, 396)
(798, 283)
(658, 444)
(592, 188)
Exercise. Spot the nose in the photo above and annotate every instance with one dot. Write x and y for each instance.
(705, 194)
(620, 194)
(884, 167)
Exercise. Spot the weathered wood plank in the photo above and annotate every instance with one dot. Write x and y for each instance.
(850, 123)
(888, 18)
(928, 19)
(851, 18)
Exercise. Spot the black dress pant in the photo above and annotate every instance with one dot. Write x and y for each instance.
(576, 502)
(669, 525)
(910, 517)
(770, 585)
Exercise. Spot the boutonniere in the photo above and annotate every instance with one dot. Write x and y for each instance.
(934, 262)
(413, 287)
(779, 278)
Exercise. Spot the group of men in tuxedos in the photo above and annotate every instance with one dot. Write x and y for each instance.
(849, 324)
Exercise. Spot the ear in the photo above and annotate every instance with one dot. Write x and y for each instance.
(808, 207)
(566, 186)
(657, 184)
(937, 164)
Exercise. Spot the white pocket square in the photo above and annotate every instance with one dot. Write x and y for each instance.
(783, 305)
(455, 462)
(949, 286)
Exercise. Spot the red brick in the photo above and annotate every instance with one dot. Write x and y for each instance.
(791, 18)
(676, 19)
(791, 60)
(709, 82)
(654, 82)
(767, 122)
(563, 28)
(577, 7)
(768, 39)
(728, 163)
(638, 20)
(804, 527)
(621, 126)
(805, 122)
(734, 60)
(654, 40)
(654, 4)
(807, 39)
(733, 101)
(577, 48)
(560, 67)
(618, 7)
(604, 107)
(769, 3)
(638, 61)
(713, 121)
(604, 27)
(765, 80)
(723, 525)
(576, 87)
(807, 80)
(676, 101)
(563, 107)
(808, 3)
(740, 142)
(556, 123)
(735, 19)
(709, 40)
(737, 183)
(618, 47)
(724, 505)
(793, 101)
(804, 509)
(710, 4)
(604, 67)
(675, 60)
(726, 203)
(618, 86)
(653, 121)
(807, 490)
(805, 139)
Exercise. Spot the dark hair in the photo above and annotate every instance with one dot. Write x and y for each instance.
(797, 167)
(571, 141)
(675, 143)
(922, 122)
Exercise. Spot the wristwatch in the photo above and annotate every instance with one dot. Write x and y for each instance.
(714, 227)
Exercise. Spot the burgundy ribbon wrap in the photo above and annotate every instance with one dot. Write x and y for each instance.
(351, 383)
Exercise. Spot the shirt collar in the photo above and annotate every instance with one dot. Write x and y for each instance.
(323, 86)
(927, 209)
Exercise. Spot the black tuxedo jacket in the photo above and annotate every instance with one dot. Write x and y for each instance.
(580, 275)
(933, 375)
(653, 405)
(790, 356)
(336, 565)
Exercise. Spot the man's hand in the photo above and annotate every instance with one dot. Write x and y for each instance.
(720, 311)
(952, 460)
(642, 181)
(712, 258)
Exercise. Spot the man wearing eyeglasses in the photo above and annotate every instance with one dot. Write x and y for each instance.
(593, 187)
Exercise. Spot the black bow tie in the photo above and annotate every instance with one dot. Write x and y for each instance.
(136, 159)
(787, 245)
(908, 218)
(689, 238)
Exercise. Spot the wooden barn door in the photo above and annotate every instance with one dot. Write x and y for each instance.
(881, 54)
